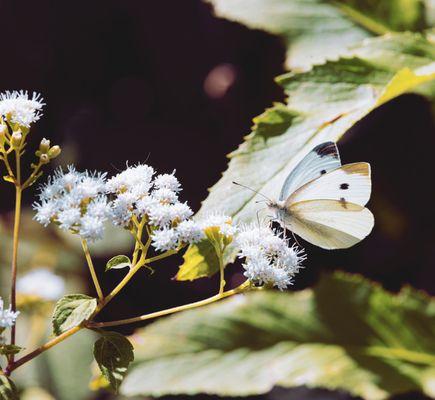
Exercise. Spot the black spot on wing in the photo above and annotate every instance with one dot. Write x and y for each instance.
(327, 149)
(323, 172)
(344, 186)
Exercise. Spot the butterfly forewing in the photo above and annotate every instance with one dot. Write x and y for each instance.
(350, 183)
(330, 224)
(321, 160)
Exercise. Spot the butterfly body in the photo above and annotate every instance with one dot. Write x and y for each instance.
(324, 202)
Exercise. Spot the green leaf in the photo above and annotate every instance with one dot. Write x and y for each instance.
(118, 262)
(113, 353)
(8, 391)
(71, 311)
(346, 333)
(8, 349)
(200, 260)
(323, 103)
(316, 30)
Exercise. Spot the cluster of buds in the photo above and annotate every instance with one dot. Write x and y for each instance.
(45, 153)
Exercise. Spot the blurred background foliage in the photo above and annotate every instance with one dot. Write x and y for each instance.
(172, 83)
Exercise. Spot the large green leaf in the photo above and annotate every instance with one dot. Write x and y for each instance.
(346, 333)
(323, 103)
(72, 310)
(315, 30)
(113, 353)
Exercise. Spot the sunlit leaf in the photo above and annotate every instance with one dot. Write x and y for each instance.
(316, 30)
(200, 260)
(323, 103)
(345, 333)
(71, 311)
(118, 262)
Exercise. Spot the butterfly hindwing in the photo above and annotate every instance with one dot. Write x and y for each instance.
(330, 224)
(321, 160)
(350, 183)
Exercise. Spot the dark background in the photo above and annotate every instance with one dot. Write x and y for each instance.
(166, 82)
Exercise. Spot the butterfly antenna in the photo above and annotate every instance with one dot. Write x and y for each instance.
(252, 190)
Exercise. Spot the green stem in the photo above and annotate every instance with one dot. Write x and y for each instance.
(172, 310)
(366, 22)
(92, 269)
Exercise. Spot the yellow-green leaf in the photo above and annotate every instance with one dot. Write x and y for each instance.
(200, 260)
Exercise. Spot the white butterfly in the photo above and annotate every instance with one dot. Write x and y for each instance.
(323, 201)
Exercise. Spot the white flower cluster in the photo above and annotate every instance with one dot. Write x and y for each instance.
(268, 258)
(7, 316)
(42, 283)
(76, 201)
(223, 222)
(136, 193)
(18, 108)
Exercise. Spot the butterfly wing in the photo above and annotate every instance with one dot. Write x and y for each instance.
(330, 224)
(322, 159)
(349, 183)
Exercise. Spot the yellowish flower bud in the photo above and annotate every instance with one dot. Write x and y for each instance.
(16, 139)
(44, 159)
(54, 152)
(44, 146)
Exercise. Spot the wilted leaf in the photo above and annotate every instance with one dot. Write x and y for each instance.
(322, 105)
(316, 30)
(8, 391)
(346, 333)
(72, 310)
(118, 262)
(113, 353)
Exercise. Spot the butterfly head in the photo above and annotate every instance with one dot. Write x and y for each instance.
(278, 209)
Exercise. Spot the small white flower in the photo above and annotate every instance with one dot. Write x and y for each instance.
(181, 212)
(99, 208)
(45, 211)
(165, 195)
(189, 232)
(42, 283)
(7, 316)
(91, 228)
(145, 205)
(167, 181)
(165, 239)
(136, 180)
(18, 108)
(268, 258)
(69, 217)
(220, 221)
(161, 215)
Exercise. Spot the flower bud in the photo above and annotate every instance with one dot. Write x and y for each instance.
(44, 146)
(54, 152)
(44, 159)
(16, 139)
